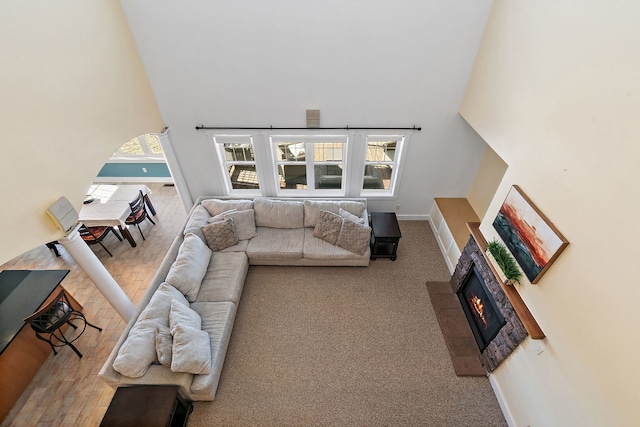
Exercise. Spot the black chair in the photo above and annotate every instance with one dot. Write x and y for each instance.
(95, 235)
(47, 322)
(138, 213)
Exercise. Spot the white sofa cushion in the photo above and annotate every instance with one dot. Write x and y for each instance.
(276, 243)
(354, 237)
(197, 219)
(328, 227)
(278, 213)
(217, 321)
(355, 207)
(191, 351)
(220, 235)
(244, 223)
(351, 217)
(138, 351)
(312, 209)
(181, 315)
(217, 206)
(318, 249)
(190, 266)
(225, 276)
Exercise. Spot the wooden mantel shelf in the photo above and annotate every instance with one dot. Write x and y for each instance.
(529, 322)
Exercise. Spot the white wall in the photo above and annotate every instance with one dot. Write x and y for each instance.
(362, 63)
(555, 92)
(73, 90)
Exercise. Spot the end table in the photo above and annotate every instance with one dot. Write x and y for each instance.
(149, 406)
(385, 235)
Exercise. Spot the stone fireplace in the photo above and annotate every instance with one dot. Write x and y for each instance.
(510, 331)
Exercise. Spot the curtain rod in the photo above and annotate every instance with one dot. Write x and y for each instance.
(201, 127)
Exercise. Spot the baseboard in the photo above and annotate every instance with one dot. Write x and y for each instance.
(503, 405)
(402, 217)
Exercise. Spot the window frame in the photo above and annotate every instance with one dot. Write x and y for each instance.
(396, 163)
(310, 163)
(146, 157)
(220, 141)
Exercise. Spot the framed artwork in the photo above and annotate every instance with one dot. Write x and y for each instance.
(532, 239)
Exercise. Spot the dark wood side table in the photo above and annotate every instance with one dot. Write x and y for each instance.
(149, 406)
(385, 235)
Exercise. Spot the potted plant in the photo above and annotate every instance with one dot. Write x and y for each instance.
(507, 265)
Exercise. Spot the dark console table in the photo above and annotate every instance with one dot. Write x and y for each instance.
(385, 235)
(149, 406)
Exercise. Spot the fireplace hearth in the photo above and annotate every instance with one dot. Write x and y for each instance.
(512, 332)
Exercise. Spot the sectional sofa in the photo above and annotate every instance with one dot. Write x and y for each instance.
(181, 329)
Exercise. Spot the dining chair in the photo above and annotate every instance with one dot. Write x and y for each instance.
(47, 321)
(95, 235)
(138, 213)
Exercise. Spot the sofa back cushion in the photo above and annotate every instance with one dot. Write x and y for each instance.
(190, 266)
(197, 219)
(278, 213)
(217, 206)
(312, 209)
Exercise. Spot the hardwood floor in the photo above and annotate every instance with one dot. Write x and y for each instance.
(67, 390)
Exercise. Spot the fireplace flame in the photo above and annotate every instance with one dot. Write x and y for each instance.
(478, 307)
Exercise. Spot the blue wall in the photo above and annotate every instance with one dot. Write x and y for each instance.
(134, 170)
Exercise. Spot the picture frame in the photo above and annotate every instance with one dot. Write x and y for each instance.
(532, 239)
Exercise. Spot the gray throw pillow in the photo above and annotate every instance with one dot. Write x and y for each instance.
(220, 235)
(164, 342)
(354, 237)
(328, 227)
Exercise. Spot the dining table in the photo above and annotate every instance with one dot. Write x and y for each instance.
(107, 205)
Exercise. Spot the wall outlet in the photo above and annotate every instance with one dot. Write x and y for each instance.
(539, 349)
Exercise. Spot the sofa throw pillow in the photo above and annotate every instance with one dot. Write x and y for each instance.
(197, 219)
(244, 223)
(164, 342)
(217, 206)
(354, 237)
(220, 216)
(328, 227)
(191, 351)
(190, 266)
(138, 351)
(351, 217)
(180, 314)
(356, 208)
(220, 235)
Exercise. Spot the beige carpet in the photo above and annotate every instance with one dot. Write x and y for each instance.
(346, 346)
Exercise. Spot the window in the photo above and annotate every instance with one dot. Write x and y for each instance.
(146, 145)
(239, 161)
(352, 163)
(381, 162)
(310, 163)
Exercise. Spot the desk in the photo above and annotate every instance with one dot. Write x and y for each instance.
(23, 292)
(111, 207)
